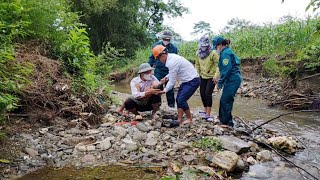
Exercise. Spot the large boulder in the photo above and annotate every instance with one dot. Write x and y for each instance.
(226, 160)
(234, 144)
(284, 143)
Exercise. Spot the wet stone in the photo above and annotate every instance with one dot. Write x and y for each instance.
(225, 159)
(142, 127)
(234, 144)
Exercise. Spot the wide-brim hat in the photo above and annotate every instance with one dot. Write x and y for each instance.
(166, 34)
(144, 67)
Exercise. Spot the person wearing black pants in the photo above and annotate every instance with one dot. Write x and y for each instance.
(207, 67)
(206, 90)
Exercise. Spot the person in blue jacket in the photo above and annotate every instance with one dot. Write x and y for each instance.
(230, 78)
(161, 70)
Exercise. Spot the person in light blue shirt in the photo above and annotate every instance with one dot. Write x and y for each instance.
(161, 70)
(230, 78)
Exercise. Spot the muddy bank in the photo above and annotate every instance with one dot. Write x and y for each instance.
(201, 151)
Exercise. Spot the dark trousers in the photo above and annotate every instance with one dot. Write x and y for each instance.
(170, 98)
(206, 90)
(186, 90)
(131, 104)
(226, 102)
(169, 94)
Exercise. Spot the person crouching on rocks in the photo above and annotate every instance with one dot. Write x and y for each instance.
(146, 93)
(182, 70)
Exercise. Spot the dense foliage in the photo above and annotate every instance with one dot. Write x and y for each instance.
(88, 37)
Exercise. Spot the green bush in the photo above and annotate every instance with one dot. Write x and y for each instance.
(89, 70)
(208, 143)
(271, 68)
(311, 55)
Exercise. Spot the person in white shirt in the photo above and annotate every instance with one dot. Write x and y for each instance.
(182, 70)
(146, 93)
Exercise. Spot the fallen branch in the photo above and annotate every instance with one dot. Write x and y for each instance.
(286, 159)
(318, 74)
(281, 116)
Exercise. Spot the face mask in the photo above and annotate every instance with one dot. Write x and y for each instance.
(203, 48)
(147, 77)
(166, 42)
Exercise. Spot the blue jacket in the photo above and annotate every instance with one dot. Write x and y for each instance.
(229, 67)
(161, 70)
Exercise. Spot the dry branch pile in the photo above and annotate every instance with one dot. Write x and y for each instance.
(298, 101)
(49, 94)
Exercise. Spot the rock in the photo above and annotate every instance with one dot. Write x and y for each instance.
(26, 136)
(83, 147)
(234, 144)
(208, 170)
(151, 141)
(131, 147)
(76, 140)
(188, 158)
(251, 94)
(120, 131)
(264, 155)
(188, 173)
(139, 136)
(251, 160)
(88, 158)
(158, 125)
(225, 159)
(241, 166)
(142, 127)
(132, 129)
(217, 130)
(105, 144)
(175, 168)
(31, 152)
(128, 141)
(92, 131)
(43, 130)
(180, 145)
(91, 148)
(155, 134)
(284, 143)
(74, 131)
(104, 125)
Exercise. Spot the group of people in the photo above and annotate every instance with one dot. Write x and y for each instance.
(216, 65)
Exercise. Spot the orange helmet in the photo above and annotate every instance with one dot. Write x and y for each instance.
(157, 50)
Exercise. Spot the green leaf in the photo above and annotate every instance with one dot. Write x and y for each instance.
(4, 161)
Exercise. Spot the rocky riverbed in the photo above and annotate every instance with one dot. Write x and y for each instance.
(203, 150)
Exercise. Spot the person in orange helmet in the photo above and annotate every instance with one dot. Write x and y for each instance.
(182, 70)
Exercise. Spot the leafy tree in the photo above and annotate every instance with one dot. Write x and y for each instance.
(126, 24)
(152, 13)
(202, 27)
(236, 24)
(315, 4)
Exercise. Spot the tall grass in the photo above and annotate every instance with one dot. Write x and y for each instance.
(292, 36)
(272, 39)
